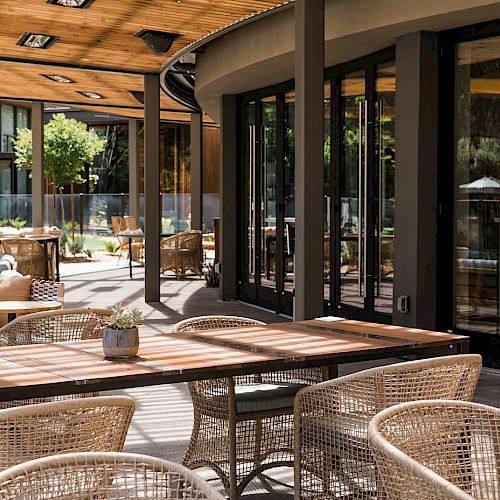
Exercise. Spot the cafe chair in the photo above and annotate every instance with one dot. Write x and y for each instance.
(82, 476)
(47, 290)
(243, 425)
(29, 256)
(434, 450)
(86, 424)
(124, 224)
(53, 326)
(181, 253)
(332, 456)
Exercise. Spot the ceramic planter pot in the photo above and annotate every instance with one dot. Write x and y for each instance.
(120, 343)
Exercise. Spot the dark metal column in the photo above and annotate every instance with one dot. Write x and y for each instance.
(416, 215)
(152, 199)
(196, 171)
(309, 126)
(37, 173)
(228, 196)
(133, 169)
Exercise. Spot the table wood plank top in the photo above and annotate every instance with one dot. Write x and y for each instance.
(28, 306)
(71, 367)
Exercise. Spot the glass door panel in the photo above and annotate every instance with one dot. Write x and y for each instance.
(385, 147)
(251, 202)
(352, 190)
(327, 190)
(268, 216)
(289, 193)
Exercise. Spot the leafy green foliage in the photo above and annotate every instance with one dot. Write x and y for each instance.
(18, 223)
(89, 252)
(68, 147)
(111, 247)
(124, 318)
(211, 276)
(75, 245)
(3, 222)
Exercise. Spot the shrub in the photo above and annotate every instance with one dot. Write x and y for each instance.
(89, 252)
(211, 276)
(75, 245)
(18, 223)
(111, 247)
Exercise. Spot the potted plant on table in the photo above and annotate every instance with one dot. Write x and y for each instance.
(120, 336)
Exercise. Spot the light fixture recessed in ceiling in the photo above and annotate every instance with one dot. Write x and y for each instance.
(36, 40)
(158, 42)
(75, 4)
(91, 95)
(59, 78)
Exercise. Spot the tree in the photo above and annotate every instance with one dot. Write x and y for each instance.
(68, 147)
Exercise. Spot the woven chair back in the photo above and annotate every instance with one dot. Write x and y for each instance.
(212, 322)
(86, 424)
(130, 222)
(430, 450)
(82, 476)
(29, 255)
(189, 240)
(118, 224)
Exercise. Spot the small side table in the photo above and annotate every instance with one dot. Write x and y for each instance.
(14, 308)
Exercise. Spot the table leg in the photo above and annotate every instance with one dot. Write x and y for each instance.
(130, 256)
(45, 259)
(330, 372)
(57, 259)
(11, 317)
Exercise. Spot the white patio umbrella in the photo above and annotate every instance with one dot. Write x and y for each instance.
(484, 185)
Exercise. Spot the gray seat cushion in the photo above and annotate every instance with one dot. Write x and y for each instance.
(262, 397)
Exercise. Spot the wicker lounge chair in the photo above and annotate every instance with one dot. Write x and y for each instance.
(332, 456)
(89, 424)
(181, 253)
(242, 425)
(434, 450)
(29, 256)
(81, 476)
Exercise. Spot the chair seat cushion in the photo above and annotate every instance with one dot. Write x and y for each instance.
(263, 397)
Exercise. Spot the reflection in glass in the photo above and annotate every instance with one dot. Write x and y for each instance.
(289, 192)
(352, 178)
(268, 267)
(477, 191)
(250, 155)
(327, 190)
(385, 153)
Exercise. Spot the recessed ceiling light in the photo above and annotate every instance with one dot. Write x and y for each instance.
(76, 4)
(59, 78)
(158, 42)
(138, 94)
(36, 41)
(92, 95)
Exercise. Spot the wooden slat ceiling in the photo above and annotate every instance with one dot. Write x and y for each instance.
(102, 36)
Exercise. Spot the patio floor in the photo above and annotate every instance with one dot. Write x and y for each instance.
(162, 423)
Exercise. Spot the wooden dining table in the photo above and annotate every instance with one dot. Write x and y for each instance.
(40, 370)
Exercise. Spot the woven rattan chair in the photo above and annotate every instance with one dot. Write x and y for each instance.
(29, 255)
(332, 456)
(242, 425)
(181, 253)
(47, 290)
(124, 224)
(52, 326)
(435, 450)
(84, 476)
(40, 430)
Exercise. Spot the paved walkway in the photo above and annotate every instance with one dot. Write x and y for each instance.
(162, 423)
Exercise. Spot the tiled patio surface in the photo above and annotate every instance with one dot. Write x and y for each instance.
(163, 419)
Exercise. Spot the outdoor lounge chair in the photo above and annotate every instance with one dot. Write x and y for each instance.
(122, 225)
(29, 256)
(332, 456)
(434, 450)
(86, 424)
(181, 253)
(242, 425)
(81, 476)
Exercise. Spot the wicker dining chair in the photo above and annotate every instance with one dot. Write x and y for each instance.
(53, 326)
(434, 450)
(87, 424)
(29, 256)
(181, 253)
(332, 456)
(242, 425)
(47, 290)
(82, 476)
(124, 224)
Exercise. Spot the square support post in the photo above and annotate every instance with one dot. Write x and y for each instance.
(309, 127)
(37, 173)
(133, 168)
(416, 216)
(229, 198)
(196, 171)
(152, 199)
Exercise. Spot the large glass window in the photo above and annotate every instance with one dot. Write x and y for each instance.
(477, 185)
(7, 128)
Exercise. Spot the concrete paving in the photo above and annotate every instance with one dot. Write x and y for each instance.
(162, 423)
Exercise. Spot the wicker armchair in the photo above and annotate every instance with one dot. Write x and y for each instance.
(332, 456)
(121, 225)
(181, 252)
(47, 290)
(29, 255)
(82, 476)
(242, 425)
(40, 430)
(52, 326)
(434, 450)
